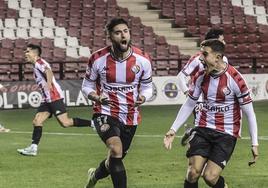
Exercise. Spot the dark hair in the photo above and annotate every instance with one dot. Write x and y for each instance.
(35, 47)
(215, 45)
(114, 22)
(213, 34)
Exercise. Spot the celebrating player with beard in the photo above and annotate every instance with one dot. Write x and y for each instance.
(118, 79)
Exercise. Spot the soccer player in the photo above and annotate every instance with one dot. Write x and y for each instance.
(52, 100)
(194, 64)
(192, 67)
(2, 128)
(218, 125)
(118, 79)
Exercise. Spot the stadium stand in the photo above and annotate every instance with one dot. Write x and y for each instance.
(70, 30)
(244, 23)
(62, 24)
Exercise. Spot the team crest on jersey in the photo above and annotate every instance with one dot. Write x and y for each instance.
(135, 69)
(226, 91)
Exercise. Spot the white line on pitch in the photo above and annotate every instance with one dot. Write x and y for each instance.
(137, 135)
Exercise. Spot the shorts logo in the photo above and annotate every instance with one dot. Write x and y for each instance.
(58, 112)
(223, 163)
(104, 127)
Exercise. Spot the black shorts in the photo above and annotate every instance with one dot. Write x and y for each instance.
(213, 145)
(108, 126)
(56, 107)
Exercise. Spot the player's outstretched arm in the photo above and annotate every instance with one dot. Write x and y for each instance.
(253, 130)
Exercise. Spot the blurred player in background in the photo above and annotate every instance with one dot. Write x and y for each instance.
(2, 128)
(218, 124)
(187, 73)
(118, 79)
(52, 101)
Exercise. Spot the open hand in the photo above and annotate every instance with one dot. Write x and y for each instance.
(168, 139)
(255, 155)
(105, 101)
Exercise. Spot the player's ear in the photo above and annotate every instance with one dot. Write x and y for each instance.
(218, 56)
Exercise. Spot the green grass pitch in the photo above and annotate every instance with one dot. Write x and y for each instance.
(64, 158)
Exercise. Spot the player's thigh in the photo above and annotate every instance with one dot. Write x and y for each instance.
(212, 171)
(40, 117)
(196, 163)
(195, 167)
(127, 134)
(199, 144)
(64, 120)
(115, 146)
(223, 147)
(106, 127)
(44, 107)
(57, 107)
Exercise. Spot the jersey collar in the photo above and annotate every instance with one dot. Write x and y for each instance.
(121, 60)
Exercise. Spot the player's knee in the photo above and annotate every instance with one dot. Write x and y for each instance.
(193, 174)
(116, 150)
(36, 122)
(210, 178)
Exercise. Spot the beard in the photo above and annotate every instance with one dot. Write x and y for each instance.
(121, 48)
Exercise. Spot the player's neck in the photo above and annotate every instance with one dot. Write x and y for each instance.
(219, 68)
(33, 60)
(36, 58)
(119, 55)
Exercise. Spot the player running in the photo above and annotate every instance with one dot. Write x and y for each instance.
(118, 79)
(218, 124)
(52, 101)
(187, 73)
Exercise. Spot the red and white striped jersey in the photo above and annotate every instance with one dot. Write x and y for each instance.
(119, 81)
(53, 94)
(222, 95)
(194, 65)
